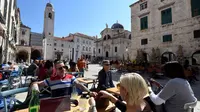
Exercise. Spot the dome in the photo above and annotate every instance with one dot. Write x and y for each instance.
(117, 26)
(49, 5)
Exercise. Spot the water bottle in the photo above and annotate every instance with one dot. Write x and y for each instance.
(34, 104)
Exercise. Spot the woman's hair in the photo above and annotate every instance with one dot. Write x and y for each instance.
(136, 87)
(174, 70)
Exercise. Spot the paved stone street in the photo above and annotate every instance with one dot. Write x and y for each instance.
(93, 72)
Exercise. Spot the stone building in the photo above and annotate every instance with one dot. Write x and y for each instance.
(36, 45)
(23, 46)
(84, 45)
(114, 43)
(169, 27)
(64, 48)
(9, 18)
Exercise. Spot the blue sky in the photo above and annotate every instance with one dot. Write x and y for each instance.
(84, 16)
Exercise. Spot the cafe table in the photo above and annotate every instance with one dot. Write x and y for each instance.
(83, 106)
(85, 80)
(113, 90)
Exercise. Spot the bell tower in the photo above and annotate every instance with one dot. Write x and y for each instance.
(48, 31)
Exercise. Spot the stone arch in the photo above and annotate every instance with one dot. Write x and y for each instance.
(167, 56)
(107, 54)
(196, 57)
(36, 54)
(104, 38)
(129, 37)
(22, 55)
(108, 36)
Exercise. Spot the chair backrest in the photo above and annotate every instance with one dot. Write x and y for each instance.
(189, 107)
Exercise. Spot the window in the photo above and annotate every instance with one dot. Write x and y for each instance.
(83, 48)
(77, 47)
(115, 49)
(62, 49)
(144, 41)
(23, 32)
(166, 16)
(86, 42)
(108, 36)
(50, 16)
(143, 6)
(195, 7)
(77, 39)
(55, 44)
(144, 23)
(62, 45)
(197, 34)
(130, 37)
(55, 49)
(99, 50)
(104, 38)
(89, 42)
(86, 48)
(167, 38)
(89, 48)
(49, 33)
(22, 42)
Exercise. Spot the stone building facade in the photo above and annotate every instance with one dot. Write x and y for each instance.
(170, 26)
(114, 43)
(72, 46)
(9, 27)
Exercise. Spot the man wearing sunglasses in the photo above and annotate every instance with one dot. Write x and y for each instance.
(105, 77)
(61, 83)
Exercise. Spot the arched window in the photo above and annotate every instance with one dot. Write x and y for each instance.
(22, 42)
(129, 37)
(104, 38)
(108, 36)
(50, 15)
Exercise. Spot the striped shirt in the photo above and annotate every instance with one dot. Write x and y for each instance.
(60, 86)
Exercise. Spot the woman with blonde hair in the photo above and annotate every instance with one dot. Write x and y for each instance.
(133, 89)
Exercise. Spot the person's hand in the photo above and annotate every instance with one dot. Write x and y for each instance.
(150, 90)
(35, 87)
(92, 101)
(93, 94)
(105, 94)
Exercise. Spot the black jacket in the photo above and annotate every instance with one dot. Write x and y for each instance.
(105, 80)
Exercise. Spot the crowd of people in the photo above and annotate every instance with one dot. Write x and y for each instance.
(134, 89)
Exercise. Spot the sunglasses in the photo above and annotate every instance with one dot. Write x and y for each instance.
(61, 68)
(107, 64)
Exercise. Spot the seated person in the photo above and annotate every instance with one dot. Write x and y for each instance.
(73, 67)
(46, 71)
(105, 77)
(32, 69)
(177, 92)
(133, 90)
(61, 83)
